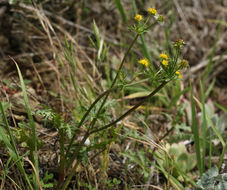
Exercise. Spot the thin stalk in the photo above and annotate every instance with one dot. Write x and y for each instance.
(106, 94)
(204, 127)
(176, 59)
(195, 132)
(113, 83)
(68, 179)
(130, 110)
(105, 127)
(34, 139)
(221, 140)
(12, 146)
(144, 45)
(62, 158)
(121, 10)
(91, 107)
(210, 64)
(210, 152)
(86, 114)
(222, 157)
(100, 108)
(218, 135)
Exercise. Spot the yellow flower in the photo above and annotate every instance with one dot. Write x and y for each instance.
(152, 11)
(179, 74)
(163, 56)
(138, 17)
(144, 62)
(165, 63)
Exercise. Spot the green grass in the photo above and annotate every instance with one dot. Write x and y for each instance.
(121, 10)
(10, 144)
(114, 107)
(195, 131)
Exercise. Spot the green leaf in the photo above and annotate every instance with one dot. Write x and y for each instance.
(97, 35)
(195, 131)
(92, 42)
(121, 10)
(34, 138)
(208, 179)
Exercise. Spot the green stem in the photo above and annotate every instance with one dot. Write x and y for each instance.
(62, 159)
(175, 60)
(65, 185)
(204, 127)
(195, 132)
(113, 83)
(86, 114)
(210, 151)
(107, 126)
(93, 104)
(222, 157)
(97, 100)
(130, 110)
(12, 147)
(75, 153)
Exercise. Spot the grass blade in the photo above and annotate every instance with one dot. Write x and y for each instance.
(210, 122)
(172, 179)
(210, 65)
(121, 10)
(204, 126)
(195, 131)
(11, 145)
(34, 149)
(97, 35)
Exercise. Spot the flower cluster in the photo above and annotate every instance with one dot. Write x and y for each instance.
(138, 17)
(152, 11)
(182, 64)
(164, 58)
(144, 62)
(165, 63)
(178, 74)
(170, 67)
(143, 24)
